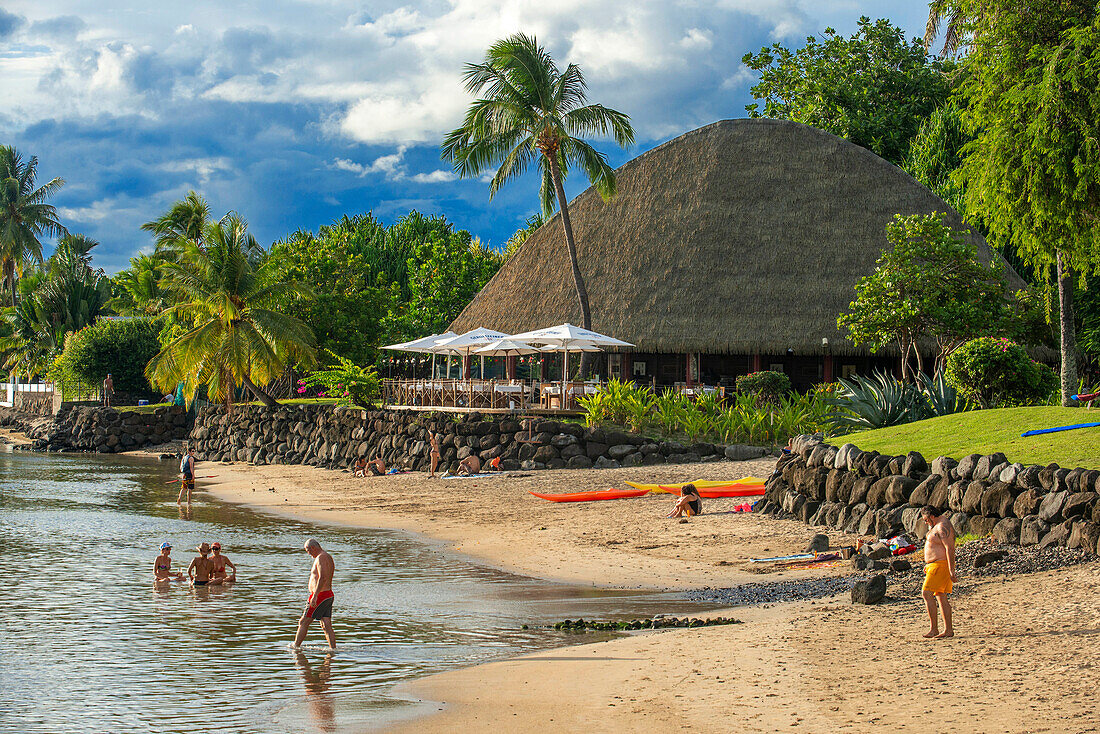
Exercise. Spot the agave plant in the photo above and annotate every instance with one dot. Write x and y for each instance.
(878, 401)
(942, 397)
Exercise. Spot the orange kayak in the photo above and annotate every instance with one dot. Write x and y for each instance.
(732, 490)
(608, 494)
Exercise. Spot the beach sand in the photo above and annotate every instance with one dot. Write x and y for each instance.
(1023, 659)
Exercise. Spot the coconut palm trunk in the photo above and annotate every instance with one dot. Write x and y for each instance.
(571, 245)
(260, 394)
(1067, 333)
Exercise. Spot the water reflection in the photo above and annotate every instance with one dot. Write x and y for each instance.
(104, 641)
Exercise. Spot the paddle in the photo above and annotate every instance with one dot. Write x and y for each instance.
(208, 476)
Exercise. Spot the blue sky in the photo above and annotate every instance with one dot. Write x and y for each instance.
(295, 113)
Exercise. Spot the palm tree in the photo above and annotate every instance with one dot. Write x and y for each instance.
(238, 337)
(186, 221)
(138, 287)
(24, 214)
(531, 111)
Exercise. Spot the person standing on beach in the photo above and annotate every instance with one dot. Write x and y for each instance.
(436, 454)
(108, 390)
(319, 605)
(187, 476)
(939, 569)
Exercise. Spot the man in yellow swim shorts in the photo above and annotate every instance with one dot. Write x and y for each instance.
(939, 569)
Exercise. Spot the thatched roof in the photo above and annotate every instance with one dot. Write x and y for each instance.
(740, 237)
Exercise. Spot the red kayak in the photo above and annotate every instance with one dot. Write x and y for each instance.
(734, 490)
(608, 494)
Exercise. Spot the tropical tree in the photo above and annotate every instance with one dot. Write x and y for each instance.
(185, 222)
(533, 222)
(874, 88)
(940, 11)
(529, 112)
(239, 334)
(137, 288)
(1032, 172)
(25, 215)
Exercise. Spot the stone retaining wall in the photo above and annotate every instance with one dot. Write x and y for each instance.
(321, 436)
(867, 493)
(106, 430)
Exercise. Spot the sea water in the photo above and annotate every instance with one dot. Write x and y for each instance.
(89, 644)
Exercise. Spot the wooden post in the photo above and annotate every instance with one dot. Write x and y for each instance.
(465, 367)
(628, 366)
(828, 368)
(689, 379)
(510, 367)
(757, 363)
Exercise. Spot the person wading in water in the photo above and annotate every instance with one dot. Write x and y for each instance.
(187, 472)
(319, 606)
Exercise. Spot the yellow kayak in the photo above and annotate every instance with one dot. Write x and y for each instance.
(701, 484)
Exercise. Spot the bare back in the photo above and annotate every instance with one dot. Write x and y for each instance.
(320, 577)
(936, 542)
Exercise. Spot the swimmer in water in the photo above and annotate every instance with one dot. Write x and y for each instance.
(162, 566)
(201, 568)
(220, 562)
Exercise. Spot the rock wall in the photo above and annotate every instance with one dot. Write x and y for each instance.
(321, 436)
(871, 494)
(106, 430)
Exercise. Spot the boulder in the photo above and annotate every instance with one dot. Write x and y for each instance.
(972, 498)
(1079, 505)
(1029, 478)
(871, 591)
(620, 451)
(1056, 536)
(943, 465)
(965, 468)
(1009, 473)
(999, 500)
(568, 452)
(984, 559)
(914, 466)
(1027, 503)
(900, 488)
(900, 565)
(981, 525)
(923, 491)
(861, 562)
(634, 459)
(955, 494)
(1050, 509)
(580, 461)
(605, 463)
(959, 521)
(859, 490)
(742, 452)
(876, 495)
(545, 453)
(818, 543)
(1007, 530)
(910, 518)
(1084, 535)
(1032, 530)
(877, 551)
(595, 449)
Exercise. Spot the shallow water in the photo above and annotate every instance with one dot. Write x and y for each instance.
(88, 644)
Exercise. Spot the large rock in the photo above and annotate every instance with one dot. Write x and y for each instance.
(965, 468)
(1084, 535)
(955, 495)
(859, 490)
(959, 521)
(1050, 509)
(1029, 478)
(818, 543)
(923, 491)
(742, 452)
(1007, 530)
(981, 525)
(1079, 505)
(620, 451)
(605, 463)
(915, 465)
(984, 466)
(972, 498)
(1056, 536)
(595, 449)
(984, 559)
(943, 465)
(999, 500)
(1032, 530)
(1027, 503)
(871, 591)
(545, 453)
(900, 488)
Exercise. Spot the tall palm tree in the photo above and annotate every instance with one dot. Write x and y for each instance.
(531, 112)
(138, 287)
(24, 214)
(186, 221)
(238, 338)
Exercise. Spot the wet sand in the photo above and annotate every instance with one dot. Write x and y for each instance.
(1022, 660)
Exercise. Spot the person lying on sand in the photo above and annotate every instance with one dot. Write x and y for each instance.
(201, 568)
(376, 468)
(162, 566)
(470, 465)
(690, 503)
(220, 562)
(436, 454)
(939, 569)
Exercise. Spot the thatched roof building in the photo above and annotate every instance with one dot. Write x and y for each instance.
(742, 238)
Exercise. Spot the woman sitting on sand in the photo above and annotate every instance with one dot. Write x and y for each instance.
(360, 467)
(690, 503)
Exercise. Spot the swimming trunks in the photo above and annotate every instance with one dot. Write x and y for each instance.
(200, 583)
(321, 606)
(937, 578)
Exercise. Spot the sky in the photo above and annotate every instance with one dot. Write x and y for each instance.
(296, 113)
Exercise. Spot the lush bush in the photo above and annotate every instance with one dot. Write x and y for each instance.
(999, 373)
(707, 417)
(767, 386)
(119, 347)
(882, 400)
(346, 381)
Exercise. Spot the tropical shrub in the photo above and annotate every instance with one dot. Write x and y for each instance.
(767, 386)
(346, 381)
(121, 348)
(878, 401)
(999, 372)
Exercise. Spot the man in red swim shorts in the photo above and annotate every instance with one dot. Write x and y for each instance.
(319, 606)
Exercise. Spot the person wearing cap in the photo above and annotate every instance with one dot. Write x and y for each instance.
(220, 562)
(162, 565)
(187, 474)
(201, 568)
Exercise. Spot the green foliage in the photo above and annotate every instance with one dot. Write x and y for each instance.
(943, 398)
(708, 417)
(935, 154)
(520, 236)
(239, 334)
(137, 288)
(445, 274)
(928, 285)
(25, 215)
(875, 88)
(767, 386)
(862, 403)
(119, 347)
(346, 381)
(999, 373)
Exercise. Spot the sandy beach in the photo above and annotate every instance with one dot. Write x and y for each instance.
(1021, 662)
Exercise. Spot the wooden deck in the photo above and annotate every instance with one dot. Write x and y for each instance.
(541, 412)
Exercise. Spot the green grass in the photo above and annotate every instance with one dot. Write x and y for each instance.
(987, 431)
(299, 401)
(140, 408)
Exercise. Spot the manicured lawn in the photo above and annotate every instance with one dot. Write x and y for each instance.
(987, 431)
(300, 401)
(140, 408)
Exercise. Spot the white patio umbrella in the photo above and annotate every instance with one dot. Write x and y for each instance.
(465, 344)
(424, 345)
(565, 337)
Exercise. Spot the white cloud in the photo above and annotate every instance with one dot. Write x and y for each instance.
(393, 168)
(439, 176)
